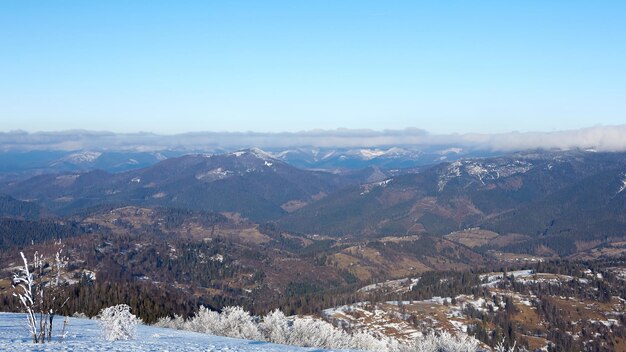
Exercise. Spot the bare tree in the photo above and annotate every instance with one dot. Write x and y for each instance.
(41, 293)
(23, 283)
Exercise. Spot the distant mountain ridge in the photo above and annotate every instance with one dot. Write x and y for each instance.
(250, 182)
(17, 164)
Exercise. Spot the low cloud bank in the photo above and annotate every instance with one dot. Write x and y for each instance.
(600, 138)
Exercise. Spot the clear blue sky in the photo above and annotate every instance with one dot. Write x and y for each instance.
(444, 66)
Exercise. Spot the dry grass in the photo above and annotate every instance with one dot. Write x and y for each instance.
(293, 205)
(5, 284)
(366, 263)
(394, 239)
(535, 343)
(472, 238)
(515, 257)
(527, 317)
(246, 235)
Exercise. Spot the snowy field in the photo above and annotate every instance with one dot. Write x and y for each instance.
(85, 335)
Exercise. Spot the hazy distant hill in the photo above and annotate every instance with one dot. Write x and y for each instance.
(249, 182)
(18, 164)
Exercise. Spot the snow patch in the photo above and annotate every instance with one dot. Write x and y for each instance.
(214, 174)
(217, 258)
(450, 151)
(482, 171)
(84, 157)
(383, 183)
(369, 154)
(623, 186)
(396, 286)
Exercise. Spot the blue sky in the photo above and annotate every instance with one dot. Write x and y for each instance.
(268, 66)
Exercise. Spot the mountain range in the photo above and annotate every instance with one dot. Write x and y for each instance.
(20, 164)
(532, 200)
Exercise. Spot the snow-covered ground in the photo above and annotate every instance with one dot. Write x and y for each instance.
(86, 335)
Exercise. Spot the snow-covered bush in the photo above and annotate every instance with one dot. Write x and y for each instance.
(501, 347)
(118, 323)
(446, 342)
(232, 322)
(205, 321)
(275, 327)
(80, 315)
(367, 342)
(236, 322)
(173, 323)
(309, 332)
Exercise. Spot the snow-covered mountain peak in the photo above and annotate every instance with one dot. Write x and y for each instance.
(82, 157)
(483, 170)
(450, 151)
(261, 154)
(237, 153)
(396, 152)
(255, 152)
(368, 154)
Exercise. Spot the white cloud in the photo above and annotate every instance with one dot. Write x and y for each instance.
(600, 138)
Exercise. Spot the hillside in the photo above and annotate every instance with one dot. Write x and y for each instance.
(13, 208)
(540, 195)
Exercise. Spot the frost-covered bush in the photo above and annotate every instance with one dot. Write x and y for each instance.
(236, 322)
(316, 333)
(446, 342)
(232, 322)
(501, 347)
(80, 315)
(309, 332)
(367, 342)
(205, 321)
(118, 323)
(173, 323)
(275, 327)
